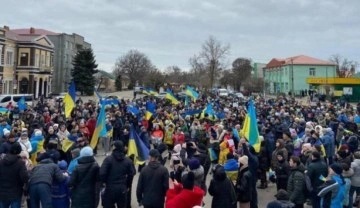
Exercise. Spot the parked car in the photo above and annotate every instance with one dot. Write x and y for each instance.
(223, 93)
(138, 89)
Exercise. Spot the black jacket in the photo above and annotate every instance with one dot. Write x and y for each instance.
(45, 172)
(13, 175)
(296, 185)
(85, 183)
(153, 184)
(222, 190)
(244, 185)
(282, 170)
(315, 170)
(204, 160)
(117, 171)
(5, 147)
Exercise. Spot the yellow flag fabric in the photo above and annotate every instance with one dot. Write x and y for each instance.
(69, 105)
(66, 144)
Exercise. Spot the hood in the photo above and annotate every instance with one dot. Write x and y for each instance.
(10, 159)
(118, 155)
(193, 197)
(231, 165)
(199, 172)
(220, 174)
(46, 161)
(154, 164)
(86, 159)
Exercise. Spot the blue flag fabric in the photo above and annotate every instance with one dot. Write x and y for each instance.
(133, 110)
(22, 104)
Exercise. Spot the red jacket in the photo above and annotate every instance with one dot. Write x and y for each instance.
(184, 198)
(91, 125)
(178, 138)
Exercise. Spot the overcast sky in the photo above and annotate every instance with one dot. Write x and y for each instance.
(169, 32)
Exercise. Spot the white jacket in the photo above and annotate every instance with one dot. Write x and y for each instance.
(25, 145)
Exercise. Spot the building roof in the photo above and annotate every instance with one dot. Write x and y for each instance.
(33, 31)
(297, 60)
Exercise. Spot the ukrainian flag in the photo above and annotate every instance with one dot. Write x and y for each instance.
(152, 91)
(37, 144)
(192, 93)
(250, 129)
(150, 110)
(133, 110)
(145, 92)
(66, 144)
(137, 148)
(69, 100)
(4, 111)
(170, 96)
(209, 111)
(100, 129)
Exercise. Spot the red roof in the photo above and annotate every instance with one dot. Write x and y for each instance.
(26, 31)
(297, 60)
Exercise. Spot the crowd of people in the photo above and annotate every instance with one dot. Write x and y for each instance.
(309, 152)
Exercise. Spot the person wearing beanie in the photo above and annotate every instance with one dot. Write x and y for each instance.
(198, 170)
(37, 141)
(13, 176)
(117, 172)
(332, 193)
(243, 185)
(153, 182)
(3, 125)
(222, 190)
(184, 195)
(84, 180)
(25, 142)
(282, 171)
(75, 155)
(282, 200)
(202, 155)
(51, 152)
(6, 146)
(60, 192)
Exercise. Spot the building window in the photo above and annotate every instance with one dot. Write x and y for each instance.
(286, 86)
(312, 72)
(42, 60)
(1, 57)
(286, 71)
(51, 60)
(37, 61)
(24, 57)
(66, 44)
(9, 58)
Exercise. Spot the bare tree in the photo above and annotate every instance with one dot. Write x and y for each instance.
(241, 69)
(227, 78)
(134, 64)
(211, 59)
(344, 66)
(154, 78)
(174, 74)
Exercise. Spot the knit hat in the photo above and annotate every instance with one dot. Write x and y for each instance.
(24, 154)
(15, 148)
(337, 168)
(86, 151)
(282, 195)
(194, 164)
(244, 160)
(62, 165)
(6, 131)
(188, 180)
(38, 132)
(119, 146)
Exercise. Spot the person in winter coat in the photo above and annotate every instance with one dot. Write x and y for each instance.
(355, 179)
(202, 155)
(332, 193)
(243, 183)
(282, 171)
(328, 141)
(178, 137)
(280, 146)
(116, 173)
(289, 145)
(222, 190)
(85, 181)
(198, 170)
(25, 142)
(296, 182)
(184, 195)
(347, 174)
(75, 154)
(6, 146)
(41, 179)
(60, 192)
(316, 169)
(224, 150)
(153, 183)
(13, 176)
(231, 167)
(263, 165)
(282, 200)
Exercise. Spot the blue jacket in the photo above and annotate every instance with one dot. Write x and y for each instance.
(339, 198)
(328, 141)
(60, 194)
(357, 119)
(2, 127)
(343, 118)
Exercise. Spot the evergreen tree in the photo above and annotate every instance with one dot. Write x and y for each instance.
(118, 83)
(84, 68)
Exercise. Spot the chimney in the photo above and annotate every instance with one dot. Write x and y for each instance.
(32, 30)
(6, 28)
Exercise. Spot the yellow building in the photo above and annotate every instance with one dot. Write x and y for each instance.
(31, 70)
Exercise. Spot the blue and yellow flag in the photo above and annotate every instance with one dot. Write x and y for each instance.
(192, 93)
(4, 111)
(170, 96)
(150, 110)
(100, 129)
(250, 129)
(22, 104)
(132, 109)
(152, 91)
(66, 144)
(145, 92)
(69, 100)
(37, 144)
(137, 148)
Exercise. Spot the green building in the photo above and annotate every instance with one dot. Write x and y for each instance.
(290, 74)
